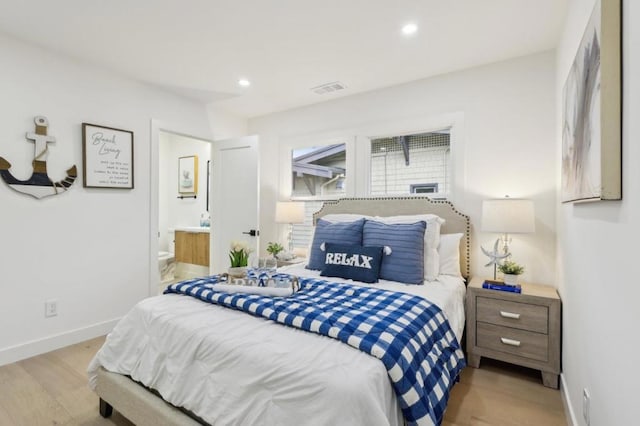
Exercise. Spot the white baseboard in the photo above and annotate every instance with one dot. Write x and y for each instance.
(568, 409)
(56, 341)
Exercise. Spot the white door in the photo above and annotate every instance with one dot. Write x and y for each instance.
(234, 197)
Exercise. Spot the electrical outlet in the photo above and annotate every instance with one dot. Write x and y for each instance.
(586, 403)
(50, 308)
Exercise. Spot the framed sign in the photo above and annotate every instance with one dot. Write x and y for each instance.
(107, 157)
(188, 175)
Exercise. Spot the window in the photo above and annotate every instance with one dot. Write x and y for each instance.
(319, 172)
(424, 188)
(402, 164)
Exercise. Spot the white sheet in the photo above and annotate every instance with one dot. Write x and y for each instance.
(231, 368)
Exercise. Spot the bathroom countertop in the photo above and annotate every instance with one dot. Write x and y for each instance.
(190, 229)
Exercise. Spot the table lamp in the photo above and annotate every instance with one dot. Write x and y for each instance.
(506, 216)
(289, 212)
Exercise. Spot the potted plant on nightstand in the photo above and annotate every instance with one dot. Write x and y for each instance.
(274, 248)
(511, 271)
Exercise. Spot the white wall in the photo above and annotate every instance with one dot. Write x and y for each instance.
(225, 125)
(87, 248)
(504, 144)
(596, 258)
(174, 211)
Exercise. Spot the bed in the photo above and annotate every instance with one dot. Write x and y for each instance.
(177, 360)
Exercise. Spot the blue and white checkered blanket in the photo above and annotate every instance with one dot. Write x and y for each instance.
(410, 335)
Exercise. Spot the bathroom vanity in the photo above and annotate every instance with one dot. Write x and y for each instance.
(192, 245)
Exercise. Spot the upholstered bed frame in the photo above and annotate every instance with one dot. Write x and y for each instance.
(143, 407)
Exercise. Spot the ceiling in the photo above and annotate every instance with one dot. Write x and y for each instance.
(200, 48)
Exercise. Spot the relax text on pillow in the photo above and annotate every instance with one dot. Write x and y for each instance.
(357, 260)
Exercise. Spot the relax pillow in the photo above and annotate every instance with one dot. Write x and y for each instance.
(431, 239)
(354, 262)
(405, 263)
(450, 254)
(347, 233)
(340, 217)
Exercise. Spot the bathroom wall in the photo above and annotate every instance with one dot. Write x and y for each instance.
(172, 210)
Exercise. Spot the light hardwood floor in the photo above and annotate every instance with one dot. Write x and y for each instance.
(51, 389)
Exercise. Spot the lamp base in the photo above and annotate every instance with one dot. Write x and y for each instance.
(290, 238)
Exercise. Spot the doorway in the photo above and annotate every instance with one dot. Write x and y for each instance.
(179, 202)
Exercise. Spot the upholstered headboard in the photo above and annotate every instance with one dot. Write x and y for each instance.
(393, 206)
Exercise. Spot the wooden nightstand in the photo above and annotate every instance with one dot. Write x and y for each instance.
(522, 329)
(291, 261)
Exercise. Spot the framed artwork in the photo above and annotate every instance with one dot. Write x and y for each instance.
(107, 157)
(592, 120)
(188, 175)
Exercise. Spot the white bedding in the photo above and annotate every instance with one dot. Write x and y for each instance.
(231, 368)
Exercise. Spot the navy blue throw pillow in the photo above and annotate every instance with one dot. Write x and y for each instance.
(347, 233)
(354, 262)
(405, 264)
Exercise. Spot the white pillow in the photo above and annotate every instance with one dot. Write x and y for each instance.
(449, 250)
(431, 239)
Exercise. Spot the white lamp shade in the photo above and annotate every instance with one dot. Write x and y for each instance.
(289, 212)
(508, 216)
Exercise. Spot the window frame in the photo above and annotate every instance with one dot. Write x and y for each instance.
(414, 186)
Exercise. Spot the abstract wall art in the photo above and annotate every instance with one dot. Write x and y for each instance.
(592, 123)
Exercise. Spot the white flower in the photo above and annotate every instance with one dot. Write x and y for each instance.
(240, 246)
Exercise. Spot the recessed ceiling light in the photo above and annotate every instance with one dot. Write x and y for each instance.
(409, 29)
(244, 82)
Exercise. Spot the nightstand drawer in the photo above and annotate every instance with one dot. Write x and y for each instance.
(518, 342)
(523, 316)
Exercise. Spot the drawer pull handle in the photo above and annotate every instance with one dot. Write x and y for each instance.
(511, 315)
(510, 342)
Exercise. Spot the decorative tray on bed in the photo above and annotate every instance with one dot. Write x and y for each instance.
(263, 280)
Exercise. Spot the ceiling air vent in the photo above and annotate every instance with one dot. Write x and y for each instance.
(328, 88)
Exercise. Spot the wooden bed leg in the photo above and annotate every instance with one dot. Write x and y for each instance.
(105, 408)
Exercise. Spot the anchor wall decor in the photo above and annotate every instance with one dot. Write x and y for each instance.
(38, 185)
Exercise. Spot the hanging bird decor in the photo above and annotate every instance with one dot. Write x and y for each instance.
(495, 256)
(39, 185)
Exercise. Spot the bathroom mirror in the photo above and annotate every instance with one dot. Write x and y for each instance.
(319, 172)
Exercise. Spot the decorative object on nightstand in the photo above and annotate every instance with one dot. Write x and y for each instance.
(274, 248)
(293, 261)
(522, 329)
(495, 256)
(289, 212)
(506, 216)
(511, 271)
(501, 286)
